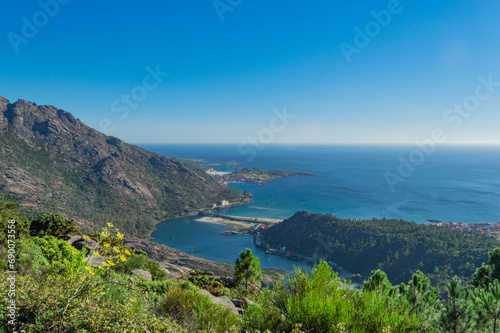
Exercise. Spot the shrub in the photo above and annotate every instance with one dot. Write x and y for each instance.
(43, 306)
(321, 302)
(212, 284)
(63, 258)
(53, 225)
(30, 257)
(142, 262)
(195, 311)
(9, 211)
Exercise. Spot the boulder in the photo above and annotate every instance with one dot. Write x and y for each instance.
(143, 273)
(239, 303)
(247, 303)
(72, 238)
(209, 273)
(243, 303)
(265, 282)
(95, 261)
(228, 280)
(89, 244)
(174, 271)
(222, 301)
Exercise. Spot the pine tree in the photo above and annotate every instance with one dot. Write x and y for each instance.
(486, 274)
(487, 308)
(378, 281)
(456, 316)
(247, 269)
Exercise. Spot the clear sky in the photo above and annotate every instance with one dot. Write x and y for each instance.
(233, 65)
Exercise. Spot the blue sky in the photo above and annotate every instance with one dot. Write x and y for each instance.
(234, 65)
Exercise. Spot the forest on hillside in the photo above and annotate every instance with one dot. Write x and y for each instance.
(397, 247)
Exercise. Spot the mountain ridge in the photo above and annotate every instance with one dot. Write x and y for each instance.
(49, 160)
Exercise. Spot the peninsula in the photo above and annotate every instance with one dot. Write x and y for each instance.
(257, 176)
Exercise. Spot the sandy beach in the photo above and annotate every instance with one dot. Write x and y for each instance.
(223, 221)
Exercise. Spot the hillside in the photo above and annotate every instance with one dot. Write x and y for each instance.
(50, 161)
(397, 247)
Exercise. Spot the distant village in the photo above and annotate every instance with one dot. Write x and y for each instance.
(486, 229)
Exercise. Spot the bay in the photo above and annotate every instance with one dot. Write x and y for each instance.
(454, 183)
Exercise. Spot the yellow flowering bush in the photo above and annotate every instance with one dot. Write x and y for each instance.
(43, 306)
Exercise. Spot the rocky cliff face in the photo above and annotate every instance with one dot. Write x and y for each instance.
(51, 161)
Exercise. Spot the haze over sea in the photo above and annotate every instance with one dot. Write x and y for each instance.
(455, 183)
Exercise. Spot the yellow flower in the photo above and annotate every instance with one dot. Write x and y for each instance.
(110, 263)
(85, 237)
(127, 251)
(110, 224)
(119, 235)
(106, 244)
(105, 234)
(101, 267)
(96, 253)
(90, 271)
(105, 264)
(123, 258)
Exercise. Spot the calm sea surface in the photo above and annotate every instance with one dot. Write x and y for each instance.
(459, 184)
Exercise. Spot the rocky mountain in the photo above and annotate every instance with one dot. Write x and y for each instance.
(51, 161)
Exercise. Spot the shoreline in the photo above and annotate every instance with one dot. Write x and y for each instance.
(226, 222)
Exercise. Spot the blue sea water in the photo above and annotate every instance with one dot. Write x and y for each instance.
(459, 184)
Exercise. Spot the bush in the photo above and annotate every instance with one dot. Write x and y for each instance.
(53, 225)
(43, 306)
(141, 261)
(9, 211)
(30, 257)
(212, 284)
(321, 302)
(63, 258)
(195, 311)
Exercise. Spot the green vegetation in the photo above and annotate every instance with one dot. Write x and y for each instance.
(59, 290)
(212, 284)
(247, 269)
(264, 175)
(49, 224)
(10, 211)
(141, 261)
(195, 311)
(397, 247)
(321, 302)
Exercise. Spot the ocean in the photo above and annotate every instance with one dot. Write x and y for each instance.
(453, 183)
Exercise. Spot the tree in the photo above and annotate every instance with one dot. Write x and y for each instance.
(456, 315)
(53, 225)
(247, 269)
(487, 308)
(486, 274)
(379, 282)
